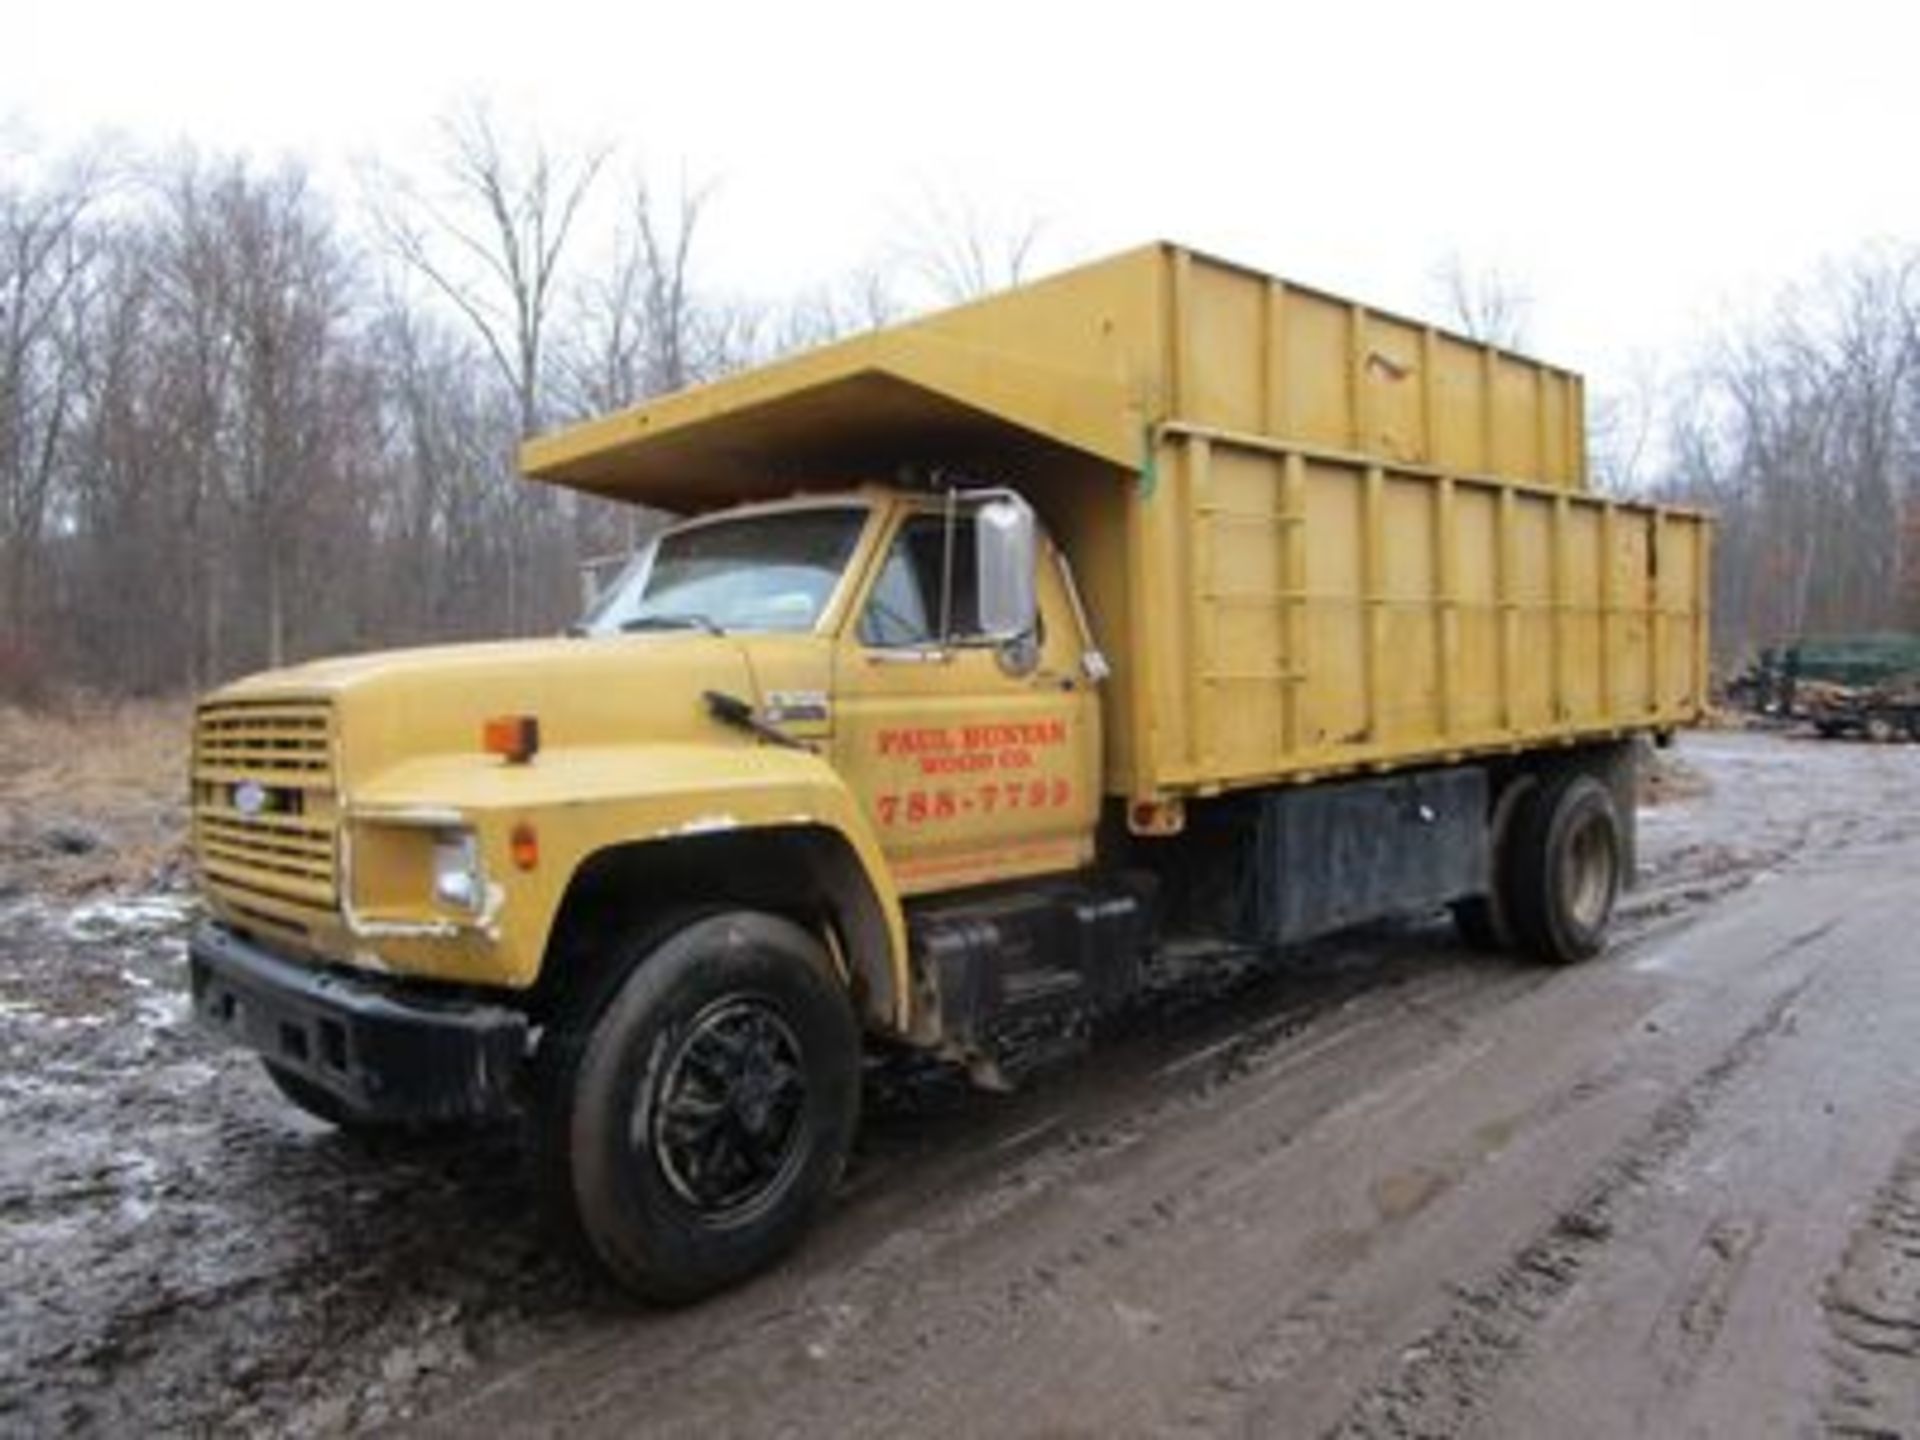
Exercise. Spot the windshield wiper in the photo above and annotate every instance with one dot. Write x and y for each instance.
(732, 710)
(680, 621)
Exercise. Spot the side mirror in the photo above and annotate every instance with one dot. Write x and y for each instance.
(1005, 542)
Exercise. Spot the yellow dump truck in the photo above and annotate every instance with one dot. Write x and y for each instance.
(1159, 602)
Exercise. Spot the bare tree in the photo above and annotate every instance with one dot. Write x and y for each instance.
(491, 239)
(1623, 425)
(863, 300)
(640, 328)
(445, 526)
(1909, 568)
(961, 254)
(1484, 304)
(252, 308)
(1804, 436)
(47, 256)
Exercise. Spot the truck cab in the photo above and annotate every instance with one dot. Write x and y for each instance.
(779, 724)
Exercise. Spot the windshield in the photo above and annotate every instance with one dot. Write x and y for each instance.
(773, 571)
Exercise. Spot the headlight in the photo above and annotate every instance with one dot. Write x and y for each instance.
(458, 880)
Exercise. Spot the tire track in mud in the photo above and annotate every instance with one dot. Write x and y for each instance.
(1153, 1069)
(1286, 1347)
(966, 1252)
(1872, 1308)
(1691, 1325)
(1439, 1384)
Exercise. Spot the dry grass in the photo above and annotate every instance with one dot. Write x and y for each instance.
(93, 796)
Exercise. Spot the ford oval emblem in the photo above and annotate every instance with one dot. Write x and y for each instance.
(250, 798)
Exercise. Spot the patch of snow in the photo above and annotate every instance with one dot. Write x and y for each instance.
(165, 1010)
(142, 1172)
(133, 918)
(32, 1014)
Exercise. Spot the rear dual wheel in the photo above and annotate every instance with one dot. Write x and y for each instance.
(1558, 867)
(1482, 919)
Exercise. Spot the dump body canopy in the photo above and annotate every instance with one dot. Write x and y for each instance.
(1313, 538)
(1090, 361)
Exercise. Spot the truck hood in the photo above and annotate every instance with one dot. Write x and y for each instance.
(403, 704)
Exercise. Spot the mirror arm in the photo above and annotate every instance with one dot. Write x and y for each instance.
(1093, 663)
(946, 569)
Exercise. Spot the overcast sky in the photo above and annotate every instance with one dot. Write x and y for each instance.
(1642, 170)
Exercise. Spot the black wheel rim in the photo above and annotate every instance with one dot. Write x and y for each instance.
(731, 1109)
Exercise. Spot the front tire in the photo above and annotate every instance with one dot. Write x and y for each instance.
(712, 1106)
(1566, 862)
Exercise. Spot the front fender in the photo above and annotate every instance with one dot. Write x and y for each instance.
(578, 802)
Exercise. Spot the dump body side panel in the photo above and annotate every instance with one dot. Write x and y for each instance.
(1312, 612)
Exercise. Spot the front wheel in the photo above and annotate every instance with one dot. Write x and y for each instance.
(711, 1107)
(1565, 866)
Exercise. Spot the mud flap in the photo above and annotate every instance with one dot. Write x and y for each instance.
(1329, 856)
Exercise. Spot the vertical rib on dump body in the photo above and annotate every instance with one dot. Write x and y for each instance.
(1314, 537)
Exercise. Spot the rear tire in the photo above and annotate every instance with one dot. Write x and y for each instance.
(1565, 865)
(1481, 920)
(1480, 924)
(705, 1112)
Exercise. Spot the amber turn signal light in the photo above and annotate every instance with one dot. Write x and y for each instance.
(515, 738)
(523, 843)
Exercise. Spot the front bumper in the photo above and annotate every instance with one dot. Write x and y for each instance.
(386, 1054)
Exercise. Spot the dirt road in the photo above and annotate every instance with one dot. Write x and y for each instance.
(1409, 1191)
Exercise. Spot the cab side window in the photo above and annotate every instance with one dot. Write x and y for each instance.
(904, 606)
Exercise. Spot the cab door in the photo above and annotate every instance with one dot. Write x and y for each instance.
(975, 761)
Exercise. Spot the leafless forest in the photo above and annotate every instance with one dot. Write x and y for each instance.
(245, 420)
